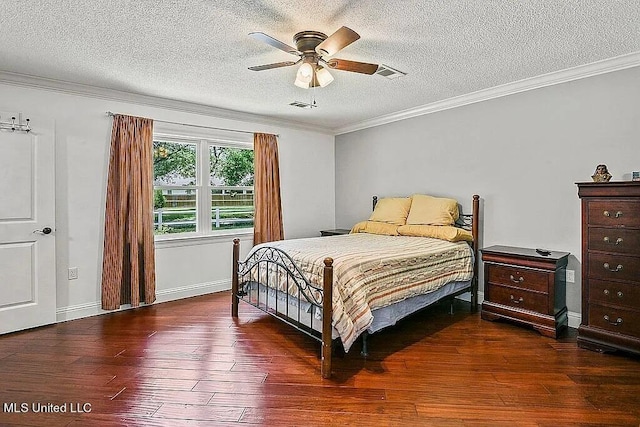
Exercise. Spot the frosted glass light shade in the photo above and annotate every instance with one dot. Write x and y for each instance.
(305, 72)
(300, 83)
(304, 75)
(324, 76)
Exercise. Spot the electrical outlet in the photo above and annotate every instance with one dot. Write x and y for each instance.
(571, 276)
(73, 273)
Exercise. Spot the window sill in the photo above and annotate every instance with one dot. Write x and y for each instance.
(174, 241)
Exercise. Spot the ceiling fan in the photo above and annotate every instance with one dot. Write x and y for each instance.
(315, 49)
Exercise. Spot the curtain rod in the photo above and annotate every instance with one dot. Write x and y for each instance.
(109, 113)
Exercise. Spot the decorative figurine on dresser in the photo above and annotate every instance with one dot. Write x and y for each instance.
(610, 266)
(601, 174)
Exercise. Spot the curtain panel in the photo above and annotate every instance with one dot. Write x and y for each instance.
(128, 267)
(268, 207)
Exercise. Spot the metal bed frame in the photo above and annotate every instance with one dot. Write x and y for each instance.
(269, 261)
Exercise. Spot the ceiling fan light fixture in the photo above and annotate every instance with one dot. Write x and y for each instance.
(324, 76)
(300, 83)
(314, 48)
(305, 72)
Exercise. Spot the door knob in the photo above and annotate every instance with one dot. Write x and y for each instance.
(46, 230)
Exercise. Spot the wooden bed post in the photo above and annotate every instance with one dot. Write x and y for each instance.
(234, 278)
(476, 244)
(327, 314)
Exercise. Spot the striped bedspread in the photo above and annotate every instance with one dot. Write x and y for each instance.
(373, 271)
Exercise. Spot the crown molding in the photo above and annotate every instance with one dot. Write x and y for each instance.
(70, 88)
(580, 72)
(601, 67)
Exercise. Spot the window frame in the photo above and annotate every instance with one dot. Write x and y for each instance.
(203, 187)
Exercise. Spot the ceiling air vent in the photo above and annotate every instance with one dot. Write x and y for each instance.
(303, 104)
(388, 72)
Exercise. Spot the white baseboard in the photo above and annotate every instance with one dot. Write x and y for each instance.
(94, 308)
(574, 319)
(192, 290)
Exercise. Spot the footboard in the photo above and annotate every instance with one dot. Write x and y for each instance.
(270, 281)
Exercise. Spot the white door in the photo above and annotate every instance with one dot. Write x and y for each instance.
(27, 213)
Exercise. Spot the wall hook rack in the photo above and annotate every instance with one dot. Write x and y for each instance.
(16, 126)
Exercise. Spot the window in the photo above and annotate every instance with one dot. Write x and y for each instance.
(201, 185)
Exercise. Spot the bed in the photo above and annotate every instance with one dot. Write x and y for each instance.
(339, 288)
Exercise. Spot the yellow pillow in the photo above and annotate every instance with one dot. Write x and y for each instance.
(374, 227)
(427, 210)
(392, 210)
(443, 232)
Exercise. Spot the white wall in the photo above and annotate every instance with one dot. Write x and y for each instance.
(521, 153)
(82, 136)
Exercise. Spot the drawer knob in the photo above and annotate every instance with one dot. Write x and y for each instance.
(608, 267)
(620, 294)
(518, 280)
(606, 292)
(516, 301)
(617, 242)
(608, 214)
(616, 323)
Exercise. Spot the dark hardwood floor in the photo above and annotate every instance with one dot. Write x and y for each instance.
(188, 363)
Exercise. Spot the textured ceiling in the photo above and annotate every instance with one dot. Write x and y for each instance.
(199, 51)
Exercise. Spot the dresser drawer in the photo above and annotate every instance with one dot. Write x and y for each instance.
(622, 294)
(615, 319)
(525, 300)
(519, 277)
(618, 240)
(614, 212)
(613, 266)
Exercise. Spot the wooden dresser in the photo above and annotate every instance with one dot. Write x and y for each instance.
(526, 287)
(610, 266)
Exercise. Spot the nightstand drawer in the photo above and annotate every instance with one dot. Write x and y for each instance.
(615, 240)
(614, 213)
(615, 319)
(519, 277)
(613, 267)
(518, 298)
(621, 294)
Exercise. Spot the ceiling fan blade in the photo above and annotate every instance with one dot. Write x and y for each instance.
(273, 42)
(353, 66)
(275, 65)
(337, 41)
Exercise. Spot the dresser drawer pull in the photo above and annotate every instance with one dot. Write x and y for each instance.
(617, 242)
(518, 280)
(608, 267)
(619, 293)
(516, 301)
(616, 323)
(608, 214)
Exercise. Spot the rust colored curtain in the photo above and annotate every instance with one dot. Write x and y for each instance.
(128, 266)
(266, 188)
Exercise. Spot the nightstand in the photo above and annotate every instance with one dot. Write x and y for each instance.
(334, 232)
(526, 287)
